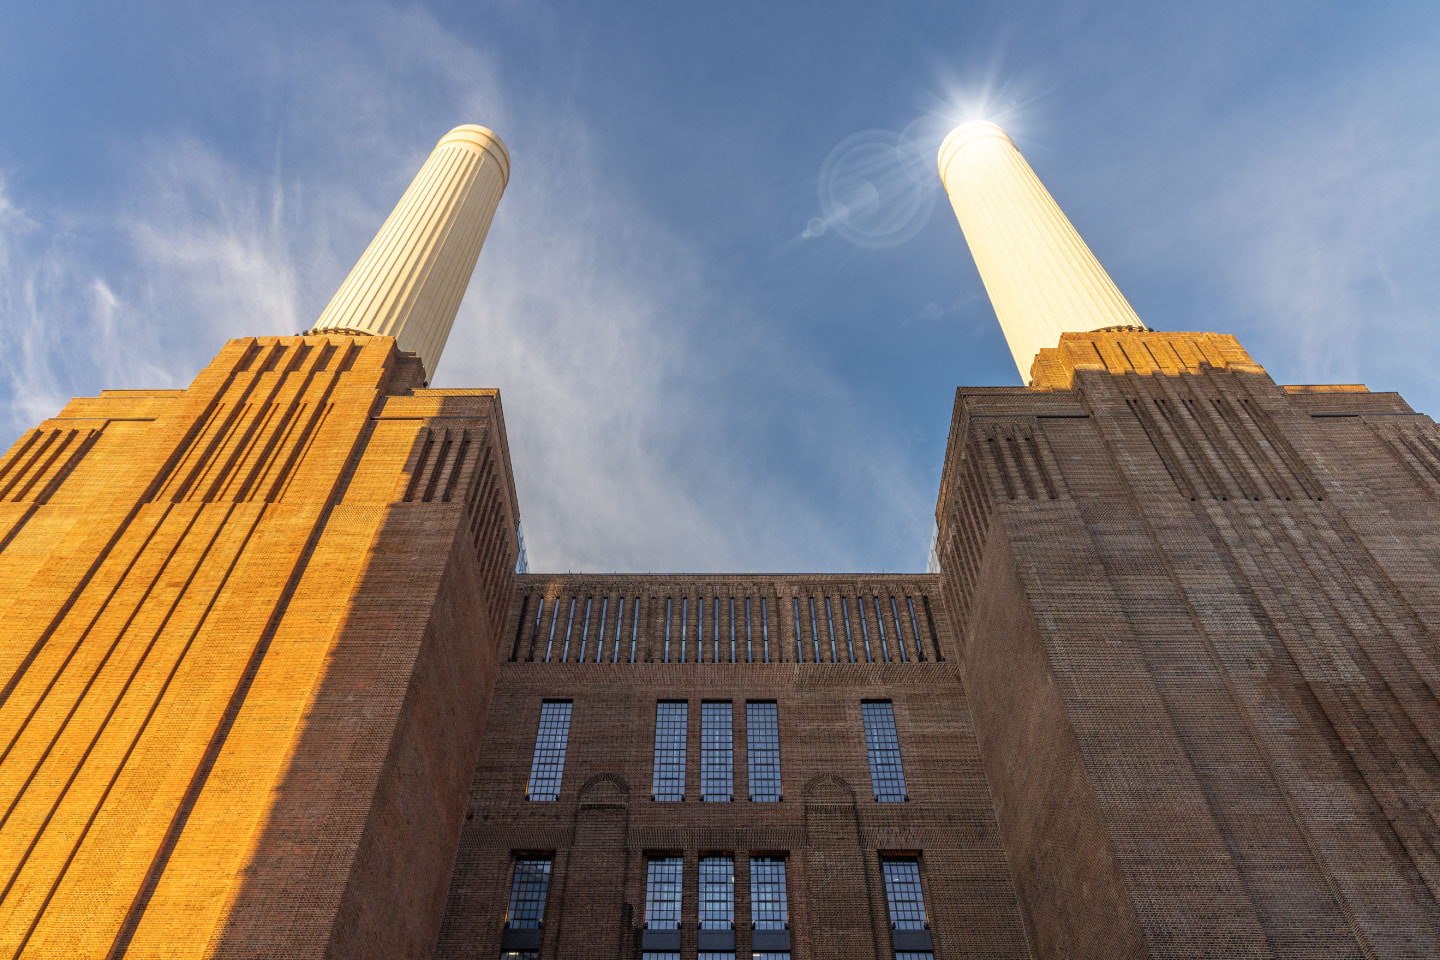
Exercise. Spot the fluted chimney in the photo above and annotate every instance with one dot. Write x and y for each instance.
(1042, 279)
(408, 283)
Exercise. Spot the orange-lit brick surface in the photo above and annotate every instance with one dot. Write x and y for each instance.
(240, 620)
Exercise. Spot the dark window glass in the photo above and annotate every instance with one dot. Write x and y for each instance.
(903, 893)
(659, 955)
(887, 772)
(717, 893)
(762, 748)
(548, 766)
(528, 887)
(769, 904)
(717, 751)
(671, 718)
(520, 955)
(664, 885)
(772, 955)
(799, 634)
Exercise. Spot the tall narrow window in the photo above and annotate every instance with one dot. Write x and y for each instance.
(749, 635)
(619, 622)
(684, 626)
(899, 631)
(585, 630)
(664, 884)
(830, 629)
(887, 773)
(769, 904)
(671, 718)
(600, 630)
(717, 893)
(700, 630)
(550, 639)
(799, 634)
(905, 897)
(634, 627)
(765, 627)
(915, 628)
(864, 629)
(669, 604)
(547, 768)
(717, 751)
(569, 628)
(845, 619)
(880, 626)
(732, 629)
(762, 749)
(529, 885)
(714, 630)
(814, 630)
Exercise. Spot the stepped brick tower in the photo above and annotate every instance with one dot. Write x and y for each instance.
(250, 626)
(272, 687)
(1197, 619)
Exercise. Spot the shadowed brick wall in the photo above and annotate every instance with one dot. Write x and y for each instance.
(828, 826)
(1198, 622)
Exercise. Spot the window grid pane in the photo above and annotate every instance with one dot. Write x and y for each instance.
(519, 955)
(903, 894)
(659, 955)
(547, 768)
(717, 751)
(906, 955)
(772, 955)
(528, 887)
(887, 773)
(762, 743)
(671, 719)
(664, 882)
(769, 905)
(717, 893)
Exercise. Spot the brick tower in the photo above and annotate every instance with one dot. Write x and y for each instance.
(250, 626)
(1197, 619)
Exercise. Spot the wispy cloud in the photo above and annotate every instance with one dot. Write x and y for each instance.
(646, 404)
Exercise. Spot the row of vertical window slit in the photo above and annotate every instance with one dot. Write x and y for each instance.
(717, 750)
(826, 629)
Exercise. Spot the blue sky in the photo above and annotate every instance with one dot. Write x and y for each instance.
(703, 367)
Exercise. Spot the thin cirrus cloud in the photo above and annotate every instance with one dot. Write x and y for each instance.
(639, 398)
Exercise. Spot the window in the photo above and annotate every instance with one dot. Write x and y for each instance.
(671, 720)
(880, 626)
(762, 748)
(915, 628)
(519, 955)
(765, 627)
(903, 895)
(717, 893)
(799, 634)
(887, 773)
(769, 905)
(717, 751)
(830, 631)
(528, 887)
(548, 766)
(664, 884)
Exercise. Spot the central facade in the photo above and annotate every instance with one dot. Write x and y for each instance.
(273, 686)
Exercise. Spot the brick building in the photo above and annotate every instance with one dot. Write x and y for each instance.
(274, 688)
